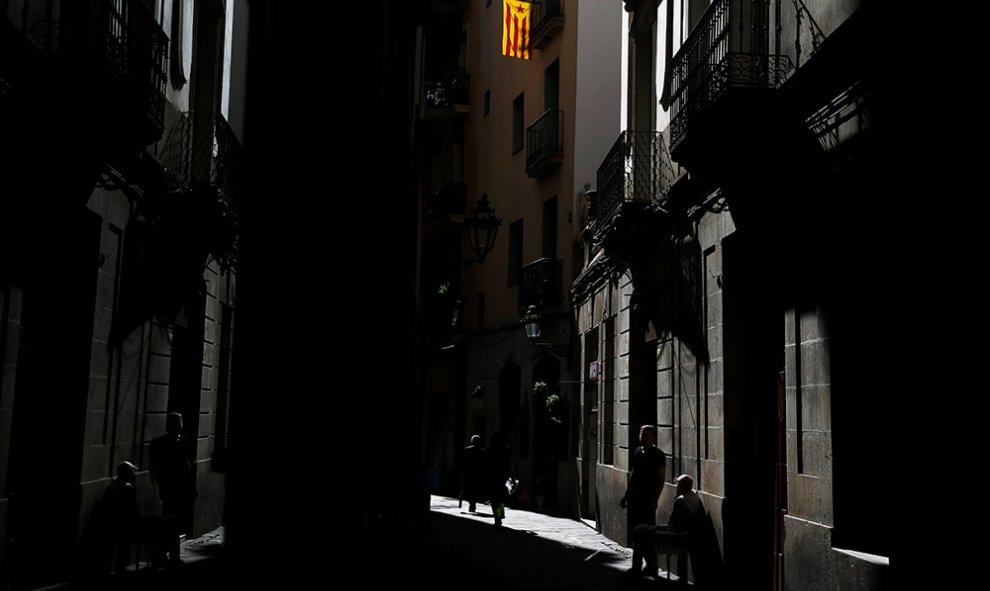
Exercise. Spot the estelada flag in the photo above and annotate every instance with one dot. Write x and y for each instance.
(515, 32)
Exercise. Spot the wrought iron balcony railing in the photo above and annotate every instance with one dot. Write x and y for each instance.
(202, 157)
(545, 143)
(636, 169)
(548, 20)
(540, 284)
(727, 49)
(202, 151)
(448, 92)
(147, 58)
(121, 36)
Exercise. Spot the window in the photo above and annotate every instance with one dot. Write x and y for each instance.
(223, 388)
(696, 8)
(550, 228)
(463, 58)
(551, 87)
(515, 251)
(517, 124)
(606, 375)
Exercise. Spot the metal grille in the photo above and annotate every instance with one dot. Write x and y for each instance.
(203, 157)
(547, 19)
(545, 137)
(727, 49)
(540, 283)
(124, 38)
(545, 10)
(115, 39)
(636, 169)
(201, 150)
(147, 52)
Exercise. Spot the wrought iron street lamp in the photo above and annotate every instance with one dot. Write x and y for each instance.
(531, 322)
(482, 228)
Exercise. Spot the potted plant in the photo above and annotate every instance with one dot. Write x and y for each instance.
(551, 401)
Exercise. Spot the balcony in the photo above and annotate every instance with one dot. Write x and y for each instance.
(447, 95)
(119, 51)
(540, 284)
(203, 158)
(548, 19)
(545, 144)
(634, 183)
(637, 171)
(720, 80)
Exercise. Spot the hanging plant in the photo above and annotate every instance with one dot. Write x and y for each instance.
(553, 404)
(551, 401)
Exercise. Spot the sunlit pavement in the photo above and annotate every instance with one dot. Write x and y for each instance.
(529, 551)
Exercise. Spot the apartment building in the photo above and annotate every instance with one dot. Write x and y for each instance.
(717, 302)
(519, 135)
(118, 252)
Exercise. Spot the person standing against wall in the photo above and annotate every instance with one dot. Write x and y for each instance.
(172, 472)
(649, 469)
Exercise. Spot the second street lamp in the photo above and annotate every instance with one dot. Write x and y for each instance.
(482, 228)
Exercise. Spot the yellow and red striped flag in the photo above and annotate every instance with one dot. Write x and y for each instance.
(515, 33)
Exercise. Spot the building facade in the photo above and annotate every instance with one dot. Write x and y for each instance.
(522, 139)
(119, 248)
(717, 301)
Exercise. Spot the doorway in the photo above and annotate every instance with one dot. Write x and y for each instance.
(590, 424)
(753, 351)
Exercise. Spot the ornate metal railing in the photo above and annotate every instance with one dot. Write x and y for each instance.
(121, 35)
(202, 157)
(445, 93)
(540, 283)
(147, 58)
(201, 150)
(545, 137)
(548, 19)
(727, 49)
(636, 169)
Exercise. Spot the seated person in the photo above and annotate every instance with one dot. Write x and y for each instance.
(687, 506)
(689, 516)
(120, 513)
(123, 525)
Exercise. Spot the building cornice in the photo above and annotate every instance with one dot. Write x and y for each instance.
(599, 271)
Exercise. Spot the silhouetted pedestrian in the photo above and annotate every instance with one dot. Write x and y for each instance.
(649, 468)
(172, 472)
(499, 460)
(114, 523)
(473, 481)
